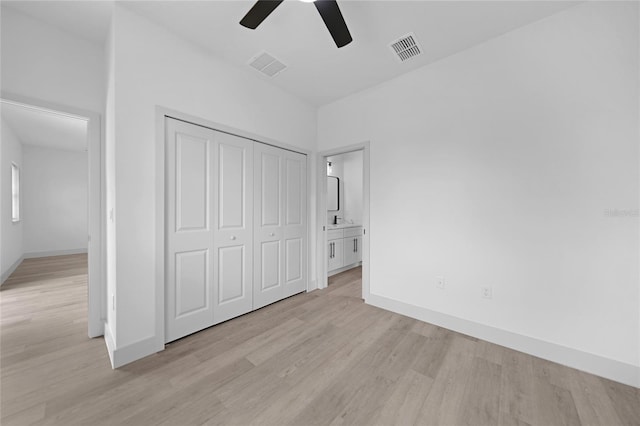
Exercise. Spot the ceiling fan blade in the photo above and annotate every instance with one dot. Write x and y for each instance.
(259, 13)
(334, 21)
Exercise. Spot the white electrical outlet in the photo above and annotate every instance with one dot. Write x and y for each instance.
(487, 292)
(440, 282)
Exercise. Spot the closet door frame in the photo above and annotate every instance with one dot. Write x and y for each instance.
(161, 114)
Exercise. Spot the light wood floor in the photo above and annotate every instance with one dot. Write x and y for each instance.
(318, 358)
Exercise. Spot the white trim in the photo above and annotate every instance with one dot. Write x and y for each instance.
(128, 353)
(311, 282)
(321, 213)
(313, 285)
(321, 222)
(16, 208)
(43, 109)
(605, 367)
(132, 352)
(95, 192)
(11, 269)
(160, 226)
(35, 254)
(198, 121)
(343, 269)
(108, 340)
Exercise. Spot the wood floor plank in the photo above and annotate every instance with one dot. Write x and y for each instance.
(405, 403)
(318, 358)
(481, 400)
(516, 390)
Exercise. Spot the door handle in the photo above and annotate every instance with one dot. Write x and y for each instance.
(354, 245)
(233, 237)
(333, 249)
(271, 234)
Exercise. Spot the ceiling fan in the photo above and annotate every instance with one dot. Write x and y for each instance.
(328, 9)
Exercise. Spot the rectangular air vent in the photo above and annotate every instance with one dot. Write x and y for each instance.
(406, 47)
(267, 64)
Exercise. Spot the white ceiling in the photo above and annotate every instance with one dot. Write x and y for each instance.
(294, 33)
(45, 128)
(318, 71)
(87, 19)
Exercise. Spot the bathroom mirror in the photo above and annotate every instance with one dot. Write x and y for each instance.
(333, 193)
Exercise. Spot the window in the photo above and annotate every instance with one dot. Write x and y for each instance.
(15, 193)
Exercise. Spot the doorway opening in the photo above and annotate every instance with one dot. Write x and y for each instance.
(343, 216)
(55, 151)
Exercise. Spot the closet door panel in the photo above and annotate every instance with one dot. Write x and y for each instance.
(191, 180)
(189, 237)
(295, 229)
(192, 289)
(293, 259)
(295, 179)
(270, 262)
(270, 185)
(233, 234)
(231, 276)
(268, 229)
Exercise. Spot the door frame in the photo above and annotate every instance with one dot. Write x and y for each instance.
(96, 283)
(321, 213)
(160, 114)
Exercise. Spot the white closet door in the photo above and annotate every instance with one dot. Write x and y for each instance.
(295, 225)
(236, 226)
(268, 225)
(189, 229)
(233, 234)
(280, 249)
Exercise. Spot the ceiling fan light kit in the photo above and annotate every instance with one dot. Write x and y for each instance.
(328, 9)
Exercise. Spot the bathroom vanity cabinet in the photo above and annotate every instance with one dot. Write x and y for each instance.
(344, 245)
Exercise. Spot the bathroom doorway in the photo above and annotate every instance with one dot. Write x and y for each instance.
(343, 216)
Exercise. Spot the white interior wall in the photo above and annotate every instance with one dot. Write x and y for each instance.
(337, 171)
(11, 233)
(348, 168)
(55, 201)
(352, 164)
(496, 167)
(42, 62)
(155, 68)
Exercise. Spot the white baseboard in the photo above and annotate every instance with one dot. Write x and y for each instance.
(600, 366)
(313, 285)
(108, 340)
(11, 269)
(133, 352)
(344, 268)
(33, 255)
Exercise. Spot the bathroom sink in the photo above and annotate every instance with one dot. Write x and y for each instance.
(342, 225)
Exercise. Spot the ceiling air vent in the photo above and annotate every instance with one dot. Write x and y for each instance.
(406, 47)
(267, 64)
